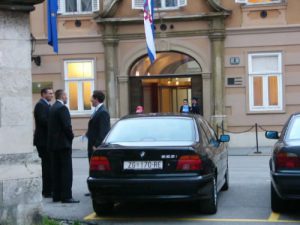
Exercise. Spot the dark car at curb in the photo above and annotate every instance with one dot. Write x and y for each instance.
(159, 157)
(285, 164)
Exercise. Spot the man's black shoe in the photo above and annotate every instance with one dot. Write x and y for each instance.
(49, 195)
(56, 199)
(70, 200)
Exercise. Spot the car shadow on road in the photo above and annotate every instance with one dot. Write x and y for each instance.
(292, 211)
(166, 210)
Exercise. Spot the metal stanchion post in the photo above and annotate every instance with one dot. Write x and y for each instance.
(256, 134)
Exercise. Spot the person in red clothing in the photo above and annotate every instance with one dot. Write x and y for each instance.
(139, 109)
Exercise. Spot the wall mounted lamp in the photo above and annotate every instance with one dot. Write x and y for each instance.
(36, 59)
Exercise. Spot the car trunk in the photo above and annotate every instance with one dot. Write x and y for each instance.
(144, 162)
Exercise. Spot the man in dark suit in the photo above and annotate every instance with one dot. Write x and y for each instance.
(99, 123)
(195, 106)
(41, 115)
(60, 144)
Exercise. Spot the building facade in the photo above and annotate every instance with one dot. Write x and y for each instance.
(239, 58)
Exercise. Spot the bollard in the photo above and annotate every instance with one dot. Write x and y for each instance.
(256, 134)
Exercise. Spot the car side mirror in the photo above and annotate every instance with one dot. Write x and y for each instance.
(224, 138)
(272, 135)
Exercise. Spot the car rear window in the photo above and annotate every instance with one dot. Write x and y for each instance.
(158, 129)
(294, 129)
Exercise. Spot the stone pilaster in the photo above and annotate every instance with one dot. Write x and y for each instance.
(110, 43)
(217, 36)
(20, 176)
(124, 95)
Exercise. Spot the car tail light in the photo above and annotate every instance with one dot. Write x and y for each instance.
(285, 160)
(189, 162)
(99, 163)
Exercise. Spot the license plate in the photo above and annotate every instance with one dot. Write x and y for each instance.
(142, 165)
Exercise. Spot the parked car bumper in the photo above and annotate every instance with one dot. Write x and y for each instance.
(287, 185)
(135, 189)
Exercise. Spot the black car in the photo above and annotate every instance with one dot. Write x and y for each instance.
(159, 157)
(285, 164)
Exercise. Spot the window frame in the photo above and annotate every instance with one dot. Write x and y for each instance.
(265, 85)
(62, 8)
(67, 80)
(180, 3)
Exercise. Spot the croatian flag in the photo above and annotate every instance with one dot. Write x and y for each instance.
(52, 24)
(149, 28)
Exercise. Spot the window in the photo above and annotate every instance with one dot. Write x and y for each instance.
(77, 6)
(79, 84)
(172, 131)
(160, 4)
(265, 81)
(252, 2)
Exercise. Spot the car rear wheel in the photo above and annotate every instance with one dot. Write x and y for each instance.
(209, 206)
(226, 184)
(277, 204)
(103, 208)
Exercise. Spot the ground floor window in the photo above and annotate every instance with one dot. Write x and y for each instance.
(79, 84)
(265, 81)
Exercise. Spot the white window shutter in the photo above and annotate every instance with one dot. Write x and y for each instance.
(61, 6)
(240, 1)
(182, 3)
(138, 4)
(95, 5)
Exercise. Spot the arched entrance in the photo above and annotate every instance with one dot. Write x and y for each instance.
(161, 87)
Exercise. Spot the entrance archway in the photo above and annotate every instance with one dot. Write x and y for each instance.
(161, 86)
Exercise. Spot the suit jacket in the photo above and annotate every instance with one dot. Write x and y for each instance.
(60, 134)
(195, 109)
(98, 127)
(41, 115)
(181, 108)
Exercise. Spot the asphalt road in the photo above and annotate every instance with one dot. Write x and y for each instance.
(246, 202)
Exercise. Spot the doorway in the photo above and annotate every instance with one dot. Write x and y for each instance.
(165, 94)
(162, 86)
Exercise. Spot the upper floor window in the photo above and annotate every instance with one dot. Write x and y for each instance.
(79, 84)
(265, 81)
(251, 2)
(160, 4)
(77, 6)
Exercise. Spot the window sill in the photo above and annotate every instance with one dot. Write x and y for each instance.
(81, 115)
(76, 16)
(266, 6)
(266, 112)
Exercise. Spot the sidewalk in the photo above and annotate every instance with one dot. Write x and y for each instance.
(80, 149)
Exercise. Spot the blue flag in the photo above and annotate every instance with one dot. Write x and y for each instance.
(52, 24)
(149, 28)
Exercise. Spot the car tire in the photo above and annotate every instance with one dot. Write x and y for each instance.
(103, 208)
(277, 204)
(210, 205)
(225, 186)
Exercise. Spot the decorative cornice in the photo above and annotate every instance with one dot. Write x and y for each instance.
(123, 79)
(110, 40)
(216, 5)
(217, 35)
(19, 5)
(176, 18)
(263, 30)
